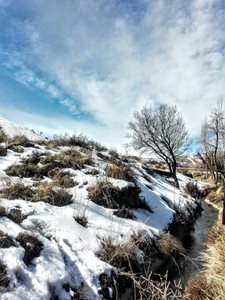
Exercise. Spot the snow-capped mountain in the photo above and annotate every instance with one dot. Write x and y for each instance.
(13, 129)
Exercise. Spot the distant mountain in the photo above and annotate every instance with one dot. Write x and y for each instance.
(13, 129)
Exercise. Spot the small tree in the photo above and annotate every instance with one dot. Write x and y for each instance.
(212, 141)
(161, 131)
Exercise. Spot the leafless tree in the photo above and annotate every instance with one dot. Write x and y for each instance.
(212, 142)
(161, 131)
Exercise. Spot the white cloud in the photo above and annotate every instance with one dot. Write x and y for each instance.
(114, 63)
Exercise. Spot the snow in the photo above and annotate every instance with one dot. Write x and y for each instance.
(13, 129)
(69, 249)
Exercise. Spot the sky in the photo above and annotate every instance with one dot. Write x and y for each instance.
(85, 66)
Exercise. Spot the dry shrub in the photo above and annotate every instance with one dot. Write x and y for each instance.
(34, 158)
(216, 194)
(4, 278)
(167, 244)
(23, 170)
(109, 196)
(114, 153)
(32, 246)
(134, 275)
(81, 219)
(74, 140)
(19, 140)
(13, 214)
(3, 151)
(119, 256)
(63, 179)
(69, 159)
(5, 240)
(119, 171)
(47, 192)
(3, 136)
(17, 191)
(124, 213)
(192, 189)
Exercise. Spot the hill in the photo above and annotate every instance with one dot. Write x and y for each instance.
(69, 208)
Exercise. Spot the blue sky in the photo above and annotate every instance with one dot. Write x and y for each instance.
(87, 65)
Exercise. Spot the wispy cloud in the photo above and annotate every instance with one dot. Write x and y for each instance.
(107, 59)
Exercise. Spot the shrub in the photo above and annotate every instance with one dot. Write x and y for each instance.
(23, 170)
(119, 171)
(32, 246)
(3, 136)
(14, 214)
(167, 244)
(3, 151)
(4, 278)
(124, 213)
(34, 158)
(19, 140)
(48, 193)
(81, 219)
(192, 189)
(17, 191)
(5, 240)
(63, 179)
(109, 196)
(68, 159)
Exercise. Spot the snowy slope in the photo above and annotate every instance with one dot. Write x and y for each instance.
(69, 249)
(13, 129)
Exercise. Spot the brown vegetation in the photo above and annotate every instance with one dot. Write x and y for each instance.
(119, 171)
(32, 246)
(4, 278)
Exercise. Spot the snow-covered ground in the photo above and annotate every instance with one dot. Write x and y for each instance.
(68, 255)
(13, 129)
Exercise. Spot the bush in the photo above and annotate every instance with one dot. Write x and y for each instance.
(63, 179)
(109, 196)
(192, 189)
(23, 170)
(17, 191)
(5, 240)
(124, 213)
(4, 278)
(3, 151)
(14, 214)
(19, 140)
(168, 245)
(32, 246)
(69, 159)
(81, 219)
(119, 171)
(34, 158)
(48, 193)
(3, 136)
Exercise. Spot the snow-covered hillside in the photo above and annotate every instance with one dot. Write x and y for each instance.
(13, 129)
(50, 246)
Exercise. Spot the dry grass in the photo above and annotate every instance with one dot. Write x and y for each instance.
(192, 189)
(23, 170)
(63, 179)
(167, 244)
(81, 219)
(49, 193)
(3, 136)
(109, 196)
(119, 171)
(210, 283)
(4, 278)
(216, 195)
(13, 214)
(32, 246)
(17, 191)
(5, 240)
(3, 151)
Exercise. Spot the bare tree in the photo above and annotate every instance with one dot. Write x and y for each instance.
(161, 131)
(212, 142)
